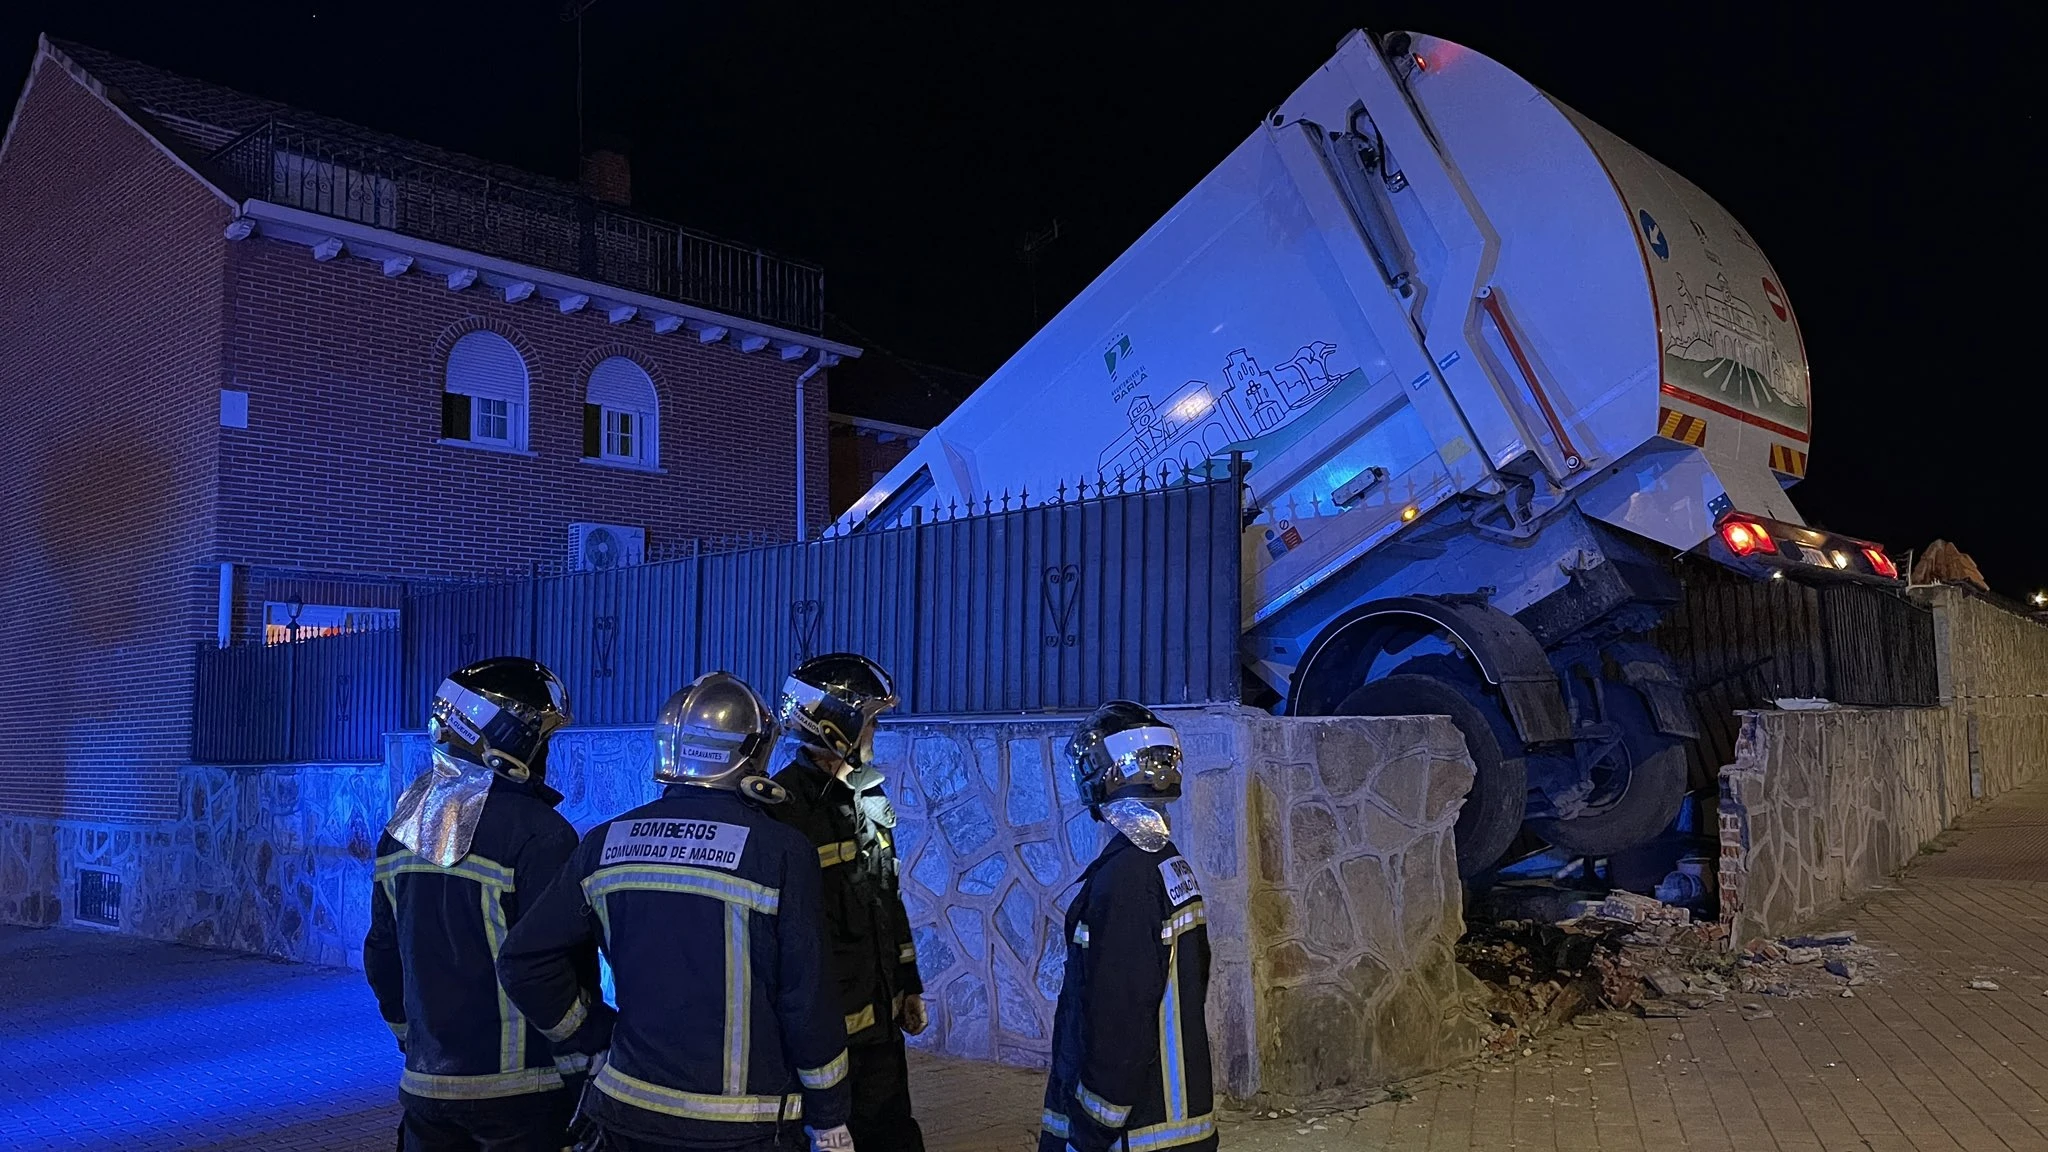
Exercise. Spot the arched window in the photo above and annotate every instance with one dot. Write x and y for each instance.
(621, 414)
(484, 398)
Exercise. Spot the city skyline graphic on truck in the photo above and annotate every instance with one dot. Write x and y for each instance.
(1200, 419)
(1716, 345)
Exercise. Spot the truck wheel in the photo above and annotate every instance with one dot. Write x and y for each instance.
(1641, 794)
(1500, 788)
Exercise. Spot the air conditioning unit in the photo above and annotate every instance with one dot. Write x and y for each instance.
(597, 547)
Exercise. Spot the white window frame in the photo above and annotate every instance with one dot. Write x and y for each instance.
(511, 416)
(506, 392)
(643, 449)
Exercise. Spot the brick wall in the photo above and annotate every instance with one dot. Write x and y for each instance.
(109, 367)
(858, 459)
(340, 469)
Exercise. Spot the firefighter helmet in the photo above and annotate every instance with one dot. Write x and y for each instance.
(1125, 751)
(832, 702)
(714, 733)
(499, 713)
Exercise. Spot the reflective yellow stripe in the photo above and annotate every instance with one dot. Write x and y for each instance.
(1183, 921)
(907, 954)
(684, 879)
(739, 999)
(481, 869)
(518, 1083)
(1055, 1124)
(1172, 1060)
(1106, 1114)
(1081, 934)
(571, 1021)
(818, 1079)
(840, 853)
(493, 880)
(1171, 1134)
(511, 1025)
(695, 1105)
(863, 1019)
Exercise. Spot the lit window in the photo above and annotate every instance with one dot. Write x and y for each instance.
(484, 395)
(621, 414)
(312, 621)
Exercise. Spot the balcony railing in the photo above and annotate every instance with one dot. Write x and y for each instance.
(371, 182)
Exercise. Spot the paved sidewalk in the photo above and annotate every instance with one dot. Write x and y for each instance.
(112, 1043)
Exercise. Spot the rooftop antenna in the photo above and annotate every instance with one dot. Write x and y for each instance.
(572, 12)
(1028, 252)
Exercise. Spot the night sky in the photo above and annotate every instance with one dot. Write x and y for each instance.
(1881, 164)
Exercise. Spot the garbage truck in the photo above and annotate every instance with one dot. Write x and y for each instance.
(1484, 369)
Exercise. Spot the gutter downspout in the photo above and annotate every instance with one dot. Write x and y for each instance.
(824, 359)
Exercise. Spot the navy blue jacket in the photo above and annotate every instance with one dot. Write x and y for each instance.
(707, 909)
(432, 951)
(867, 931)
(1130, 1042)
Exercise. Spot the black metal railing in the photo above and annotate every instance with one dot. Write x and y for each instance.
(1743, 643)
(331, 699)
(1008, 606)
(370, 181)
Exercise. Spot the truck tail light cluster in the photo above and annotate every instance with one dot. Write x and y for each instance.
(1747, 538)
(1781, 546)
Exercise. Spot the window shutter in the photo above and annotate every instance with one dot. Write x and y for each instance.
(485, 365)
(621, 384)
(454, 416)
(593, 430)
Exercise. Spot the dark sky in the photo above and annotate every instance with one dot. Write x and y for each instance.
(1881, 163)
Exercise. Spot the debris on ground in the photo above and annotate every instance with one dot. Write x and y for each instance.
(1828, 963)
(1624, 951)
(1984, 985)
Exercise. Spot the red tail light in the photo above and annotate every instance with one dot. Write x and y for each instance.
(1747, 537)
(1881, 563)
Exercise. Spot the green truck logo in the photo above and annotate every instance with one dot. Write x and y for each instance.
(1116, 354)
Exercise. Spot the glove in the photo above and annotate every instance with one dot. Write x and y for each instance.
(914, 1020)
(838, 1139)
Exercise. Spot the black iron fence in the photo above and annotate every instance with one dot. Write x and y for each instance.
(1744, 643)
(369, 180)
(1049, 607)
(326, 699)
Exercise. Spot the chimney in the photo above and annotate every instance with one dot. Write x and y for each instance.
(608, 176)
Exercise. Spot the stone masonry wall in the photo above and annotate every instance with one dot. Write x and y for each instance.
(1355, 901)
(1323, 847)
(1324, 851)
(276, 860)
(1819, 806)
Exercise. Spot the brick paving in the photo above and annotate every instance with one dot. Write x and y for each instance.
(113, 1043)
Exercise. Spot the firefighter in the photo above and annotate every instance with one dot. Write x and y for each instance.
(707, 909)
(829, 706)
(1130, 1046)
(474, 841)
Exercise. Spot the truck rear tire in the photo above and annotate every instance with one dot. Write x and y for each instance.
(1654, 792)
(1500, 787)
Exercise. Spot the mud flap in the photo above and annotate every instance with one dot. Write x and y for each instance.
(1649, 672)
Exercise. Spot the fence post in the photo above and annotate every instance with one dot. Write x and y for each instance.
(533, 611)
(291, 699)
(917, 661)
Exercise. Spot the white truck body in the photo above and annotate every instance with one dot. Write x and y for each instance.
(1256, 302)
(1458, 334)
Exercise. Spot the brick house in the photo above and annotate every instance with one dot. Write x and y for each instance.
(254, 356)
(881, 406)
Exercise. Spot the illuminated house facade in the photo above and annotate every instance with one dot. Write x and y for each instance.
(259, 365)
